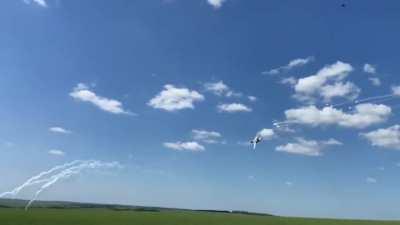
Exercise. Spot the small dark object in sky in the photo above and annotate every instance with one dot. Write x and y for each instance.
(343, 5)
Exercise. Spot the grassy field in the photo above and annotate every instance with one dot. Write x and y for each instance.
(12, 216)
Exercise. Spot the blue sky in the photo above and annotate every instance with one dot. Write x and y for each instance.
(174, 90)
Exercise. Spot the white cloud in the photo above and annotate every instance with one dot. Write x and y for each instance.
(326, 83)
(307, 147)
(210, 137)
(233, 107)
(291, 81)
(59, 130)
(362, 116)
(252, 98)
(289, 183)
(339, 89)
(299, 62)
(396, 90)
(331, 141)
(293, 63)
(56, 152)
(384, 137)
(218, 88)
(368, 68)
(221, 89)
(185, 146)
(82, 93)
(375, 81)
(371, 180)
(216, 3)
(41, 3)
(266, 134)
(174, 99)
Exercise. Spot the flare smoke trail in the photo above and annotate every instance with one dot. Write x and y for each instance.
(50, 177)
(373, 99)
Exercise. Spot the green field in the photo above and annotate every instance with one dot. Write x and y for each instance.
(14, 216)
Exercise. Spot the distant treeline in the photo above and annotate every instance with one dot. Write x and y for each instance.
(18, 203)
(233, 212)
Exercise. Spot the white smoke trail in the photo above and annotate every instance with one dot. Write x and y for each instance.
(35, 179)
(91, 164)
(50, 177)
(373, 99)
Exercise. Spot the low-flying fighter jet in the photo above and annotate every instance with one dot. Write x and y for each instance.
(257, 139)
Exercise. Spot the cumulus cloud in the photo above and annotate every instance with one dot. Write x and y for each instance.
(310, 84)
(185, 146)
(384, 137)
(82, 93)
(339, 89)
(221, 89)
(59, 130)
(233, 107)
(307, 147)
(174, 99)
(56, 152)
(362, 116)
(375, 81)
(41, 3)
(368, 68)
(293, 63)
(216, 3)
(327, 83)
(210, 137)
(266, 134)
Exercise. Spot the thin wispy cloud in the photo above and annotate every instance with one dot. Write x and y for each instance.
(233, 108)
(371, 180)
(56, 152)
(216, 4)
(396, 90)
(362, 116)
(289, 183)
(82, 93)
(221, 89)
(209, 137)
(59, 130)
(7, 144)
(307, 147)
(191, 146)
(371, 69)
(251, 177)
(375, 81)
(291, 81)
(292, 64)
(41, 3)
(252, 98)
(175, 99)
